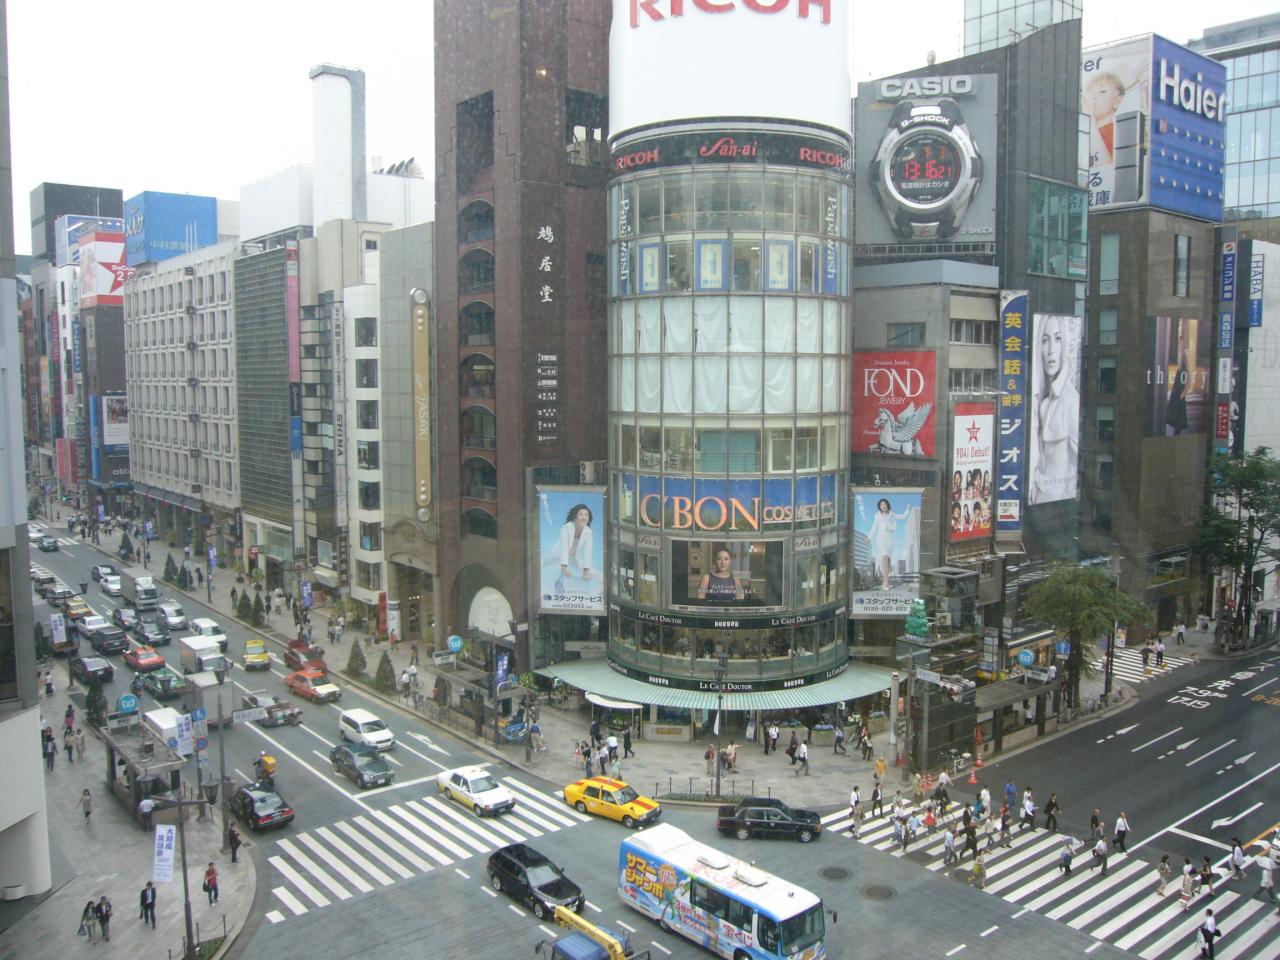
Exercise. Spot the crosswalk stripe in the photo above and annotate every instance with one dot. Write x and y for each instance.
(300, 858)
(1047, 855)
(1142, 906)
(425, 826)
(471, 825)
(275, 916)
(290, 901)
(522, 820)
(1158, 922)
(391, 844)
(369, 847)
(385, 817)
(1141, 883)
(1184, 930)
(526, 811)
(431, 851)
(562, 813)
(1240, 941)
(335, 863)
(345, 849)
(390, 823)
(1114, 876)
(292, 875)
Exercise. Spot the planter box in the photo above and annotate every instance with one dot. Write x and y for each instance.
(670, 732)
(821, 738)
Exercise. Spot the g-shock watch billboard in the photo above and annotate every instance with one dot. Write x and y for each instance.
(926, 169)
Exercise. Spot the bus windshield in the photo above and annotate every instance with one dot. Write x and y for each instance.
(803, 930)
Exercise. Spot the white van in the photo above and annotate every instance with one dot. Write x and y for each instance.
(361, 726)
(205, 627)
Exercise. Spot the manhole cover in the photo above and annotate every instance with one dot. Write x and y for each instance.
(877, 892)
(834, 873)
(920, 856)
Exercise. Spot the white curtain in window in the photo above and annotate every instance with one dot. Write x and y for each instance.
(808, 326)
(649, 384)
(677, 385)
(649, 322)
(679, 317)
(626, 327)
(713, 323)
(746, 315)
(710, 389)
(745, 387)
(779, 325)
(831, 327)
(627, 384)
(808, 385)
(779, 384)
(830, 385)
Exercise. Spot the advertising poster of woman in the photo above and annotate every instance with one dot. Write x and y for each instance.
(571, 549)
(1054, 445)
(1178, 376)
(886, 551)
(972, 436)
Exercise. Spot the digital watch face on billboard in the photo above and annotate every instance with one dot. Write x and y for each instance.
(1157, 127)
(893, 402)
(886, 552)
(571, 550)
(925, 155)
(726, 573)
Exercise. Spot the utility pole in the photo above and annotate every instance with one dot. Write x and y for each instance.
(721, 666)
(189, 948)
(222, 765)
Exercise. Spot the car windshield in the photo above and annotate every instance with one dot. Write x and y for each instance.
(483, 784)
(372, 726)
(624, 795)
(542, 873)
(267, 802)
(366, 761)
(803, 930)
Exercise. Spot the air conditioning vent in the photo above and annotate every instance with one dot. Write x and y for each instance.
(191, 310)
(189, 271)
(191, 344)
(197, 488)
(195, 452)
(193, 381)
(193, 417)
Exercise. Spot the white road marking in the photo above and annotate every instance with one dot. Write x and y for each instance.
(549, 933)
(345, 848)
(1094, 947)
(1265, 683)
(989, 930)
(289, 900)
(954, 950)
(489, 892)
(401, 745)
(1156, 740)
(562, 814)
(1195, 813)
(292, 875)
(313, 868)
(275, 916)
(625, 927)
(1192, 763)
(390, 842)
(404, 814)
(516, 910)
(462, 873)
(425, 827)
(473, 824)
(1209, 841)
(660, 947)
(430, 778)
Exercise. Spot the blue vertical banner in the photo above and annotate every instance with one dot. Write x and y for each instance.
(306, 595)
(1014, 305)
(1256, 267)
(1226, 330)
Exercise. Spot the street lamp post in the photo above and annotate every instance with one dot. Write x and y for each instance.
(721, 665)
(189, 949)
(1109, 669)
(222, 762)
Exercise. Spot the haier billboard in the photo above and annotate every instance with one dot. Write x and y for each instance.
(162, 225)
(1157, 127)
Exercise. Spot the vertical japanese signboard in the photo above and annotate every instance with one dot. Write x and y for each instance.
(1256, 267)
(1013, 409)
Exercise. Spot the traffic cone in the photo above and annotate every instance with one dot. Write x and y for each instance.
(973, 776)
(978, 760)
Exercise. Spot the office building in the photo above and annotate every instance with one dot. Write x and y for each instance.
(989, 24)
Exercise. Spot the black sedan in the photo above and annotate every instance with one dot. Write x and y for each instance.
(82, 668)
(48, 544)
(768, 817)
(126, 618)
(150, 634)
(530, 878)
(362, 765)
(109, 639)
(260, 808)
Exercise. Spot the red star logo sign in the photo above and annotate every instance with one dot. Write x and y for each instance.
(974, 430)
(119, 273)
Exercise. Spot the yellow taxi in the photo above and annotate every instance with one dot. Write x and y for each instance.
(614, 799)
(76, 609)
(256, 656)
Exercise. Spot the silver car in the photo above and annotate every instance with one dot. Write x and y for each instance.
(171, 615)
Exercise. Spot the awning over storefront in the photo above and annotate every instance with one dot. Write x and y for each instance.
(600, 701)
(596, 676)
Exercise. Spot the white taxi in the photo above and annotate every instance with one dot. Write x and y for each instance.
(477, 788)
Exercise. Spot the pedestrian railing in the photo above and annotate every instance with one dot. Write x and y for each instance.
(732, 789)
(205, 947)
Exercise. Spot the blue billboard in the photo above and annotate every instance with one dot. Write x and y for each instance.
(158, 226)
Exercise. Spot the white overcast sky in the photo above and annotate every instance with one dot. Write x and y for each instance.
(201, 97)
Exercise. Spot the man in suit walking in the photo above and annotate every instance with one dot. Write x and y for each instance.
(147, 904)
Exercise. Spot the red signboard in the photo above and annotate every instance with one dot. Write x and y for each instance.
(972, 449)
(1222, 421)
(893, 401)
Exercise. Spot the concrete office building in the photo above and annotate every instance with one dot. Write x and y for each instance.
(24, 828)
(179, 328)
(520, 280)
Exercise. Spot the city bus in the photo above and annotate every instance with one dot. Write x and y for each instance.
(724, 904)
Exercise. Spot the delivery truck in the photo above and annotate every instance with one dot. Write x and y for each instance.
(202, 691)
(163, 724)
(201, 653)
(138, 588)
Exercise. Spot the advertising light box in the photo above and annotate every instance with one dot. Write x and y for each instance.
(672, 60)
(893, 401)
(1054, 409)
(163, 225)
(886, 552)
(971, 452)
(571, 550)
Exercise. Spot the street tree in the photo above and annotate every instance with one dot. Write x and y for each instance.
(244, 607)
(356, 663)
(170, 569)
(95, 703)
(385, 679)
(1240, 522)
(259, 610)
(1085, 603)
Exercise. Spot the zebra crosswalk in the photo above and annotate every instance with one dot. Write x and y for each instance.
(382, 847)
(1122, 908)
(1128, 665)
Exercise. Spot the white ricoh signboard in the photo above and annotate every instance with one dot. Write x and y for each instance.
(675, 60)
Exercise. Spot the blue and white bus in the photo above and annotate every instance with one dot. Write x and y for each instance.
(732, 908)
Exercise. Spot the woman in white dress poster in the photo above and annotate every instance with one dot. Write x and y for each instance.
(884, 524)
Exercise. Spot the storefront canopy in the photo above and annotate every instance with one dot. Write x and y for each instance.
(597, 677)
(600, 701)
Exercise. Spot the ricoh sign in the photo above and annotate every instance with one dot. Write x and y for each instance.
(660, 70)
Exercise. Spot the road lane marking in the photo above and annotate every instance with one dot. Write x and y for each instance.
(345, 848)
(401, 745)
(1230, 793)
(1260, 686)
(1192, 763)
(518, 912)
(954, 950)
(390, 842)
(302, 763)
(1199, 839)
(1094, 947)
(594, 907)
(549, 933)
(275, 916)
(430, 778)
(289, 900)
(292, 875)
(462, 873)
(1228, 821)
(489, 892)
(991, 929)
(313, 868)
(625, 926)
(334, 863)
(1156, 740)
(660, 947)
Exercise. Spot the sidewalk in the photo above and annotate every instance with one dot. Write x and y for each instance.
(110, 855)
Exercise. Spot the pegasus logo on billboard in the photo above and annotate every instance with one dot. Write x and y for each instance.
(654, 9)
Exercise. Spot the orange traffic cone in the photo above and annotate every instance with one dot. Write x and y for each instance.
(973, 776)
(978, 759)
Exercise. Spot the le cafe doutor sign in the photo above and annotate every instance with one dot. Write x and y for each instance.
(682, 150)
(730, 686)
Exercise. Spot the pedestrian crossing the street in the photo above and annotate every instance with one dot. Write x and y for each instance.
(1121, 908)
(340, 861)
(1128, 664)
